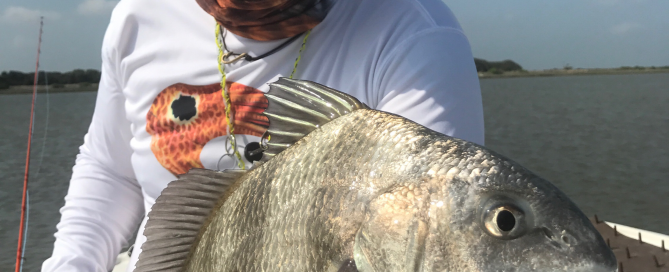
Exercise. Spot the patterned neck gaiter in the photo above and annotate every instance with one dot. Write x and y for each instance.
(266, 20)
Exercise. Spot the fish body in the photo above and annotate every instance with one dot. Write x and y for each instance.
(355, 189)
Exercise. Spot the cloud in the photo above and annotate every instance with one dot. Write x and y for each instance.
(624, 28)
(94, 7)
(24, 15)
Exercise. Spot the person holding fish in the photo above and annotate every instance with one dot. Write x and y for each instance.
(183, 86)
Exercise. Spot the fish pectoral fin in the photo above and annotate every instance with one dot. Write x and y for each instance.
(178, 216)
(297, 107)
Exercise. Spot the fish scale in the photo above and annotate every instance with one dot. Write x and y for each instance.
(279, 213)
(368, 191)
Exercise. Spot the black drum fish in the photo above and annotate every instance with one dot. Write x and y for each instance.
(342, 187)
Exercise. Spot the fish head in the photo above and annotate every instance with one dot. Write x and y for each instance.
(536, 230)
(505, 218)
(481, 213)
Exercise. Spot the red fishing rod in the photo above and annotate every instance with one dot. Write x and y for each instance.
(19, 250)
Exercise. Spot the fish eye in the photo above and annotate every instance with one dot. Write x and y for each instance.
(503, 219)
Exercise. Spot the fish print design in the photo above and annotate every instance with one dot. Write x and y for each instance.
(183, 118)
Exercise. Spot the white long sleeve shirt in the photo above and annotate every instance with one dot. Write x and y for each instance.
(408, 57)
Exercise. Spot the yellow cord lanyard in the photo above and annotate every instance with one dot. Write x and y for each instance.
(226, 95)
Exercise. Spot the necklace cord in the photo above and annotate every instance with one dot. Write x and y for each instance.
(222, 55)
(281, 46)
(299, 54)
(226, 100)
(249, 58)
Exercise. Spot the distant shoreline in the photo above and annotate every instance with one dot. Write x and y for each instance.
(76, 88)
(67, 88)
(573, 72)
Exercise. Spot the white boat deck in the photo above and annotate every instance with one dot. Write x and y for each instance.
(648, 237)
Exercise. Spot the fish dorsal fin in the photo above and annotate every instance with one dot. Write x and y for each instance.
(178, 215)
(297, 107)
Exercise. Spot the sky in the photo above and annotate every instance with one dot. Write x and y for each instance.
(535, 34)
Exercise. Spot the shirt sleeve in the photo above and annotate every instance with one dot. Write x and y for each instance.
(430, 78)
(104, 203)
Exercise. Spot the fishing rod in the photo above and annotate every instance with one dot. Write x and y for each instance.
(25, 237)
(19, 250)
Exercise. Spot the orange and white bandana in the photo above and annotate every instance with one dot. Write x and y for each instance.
(266, 20)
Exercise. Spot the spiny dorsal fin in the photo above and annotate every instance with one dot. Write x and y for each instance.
(178, 215)
(297, 107)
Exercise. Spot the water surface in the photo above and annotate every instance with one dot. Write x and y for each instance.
(603, 140)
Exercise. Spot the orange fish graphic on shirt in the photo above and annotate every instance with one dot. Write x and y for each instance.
(183, 118)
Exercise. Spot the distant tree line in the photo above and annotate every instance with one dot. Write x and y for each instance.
(15, 78)
(642, 67)
(496, 67)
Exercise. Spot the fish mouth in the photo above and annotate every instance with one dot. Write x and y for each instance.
(592, 268)
(595, 268)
